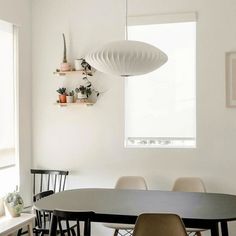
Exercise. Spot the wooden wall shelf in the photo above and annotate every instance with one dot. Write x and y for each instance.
(74, 104)
(72, 72)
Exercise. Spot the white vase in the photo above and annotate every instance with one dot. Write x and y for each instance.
(69, 99)
(78, 65)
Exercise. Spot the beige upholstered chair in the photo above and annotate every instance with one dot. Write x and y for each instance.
(127, 182)
(190, 184)
(159, 225)
(131, 182)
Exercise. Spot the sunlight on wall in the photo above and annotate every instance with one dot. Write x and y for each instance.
(8, 180)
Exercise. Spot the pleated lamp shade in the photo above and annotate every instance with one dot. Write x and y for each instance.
(126, 58)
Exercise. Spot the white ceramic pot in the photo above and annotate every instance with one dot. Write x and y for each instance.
(81, 96)
(69, 99)
(78, 65)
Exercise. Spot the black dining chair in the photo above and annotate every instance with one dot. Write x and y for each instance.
(60, 217)
(43, 219)
(45, 180)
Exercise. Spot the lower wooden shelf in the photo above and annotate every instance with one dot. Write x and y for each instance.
(74, 104)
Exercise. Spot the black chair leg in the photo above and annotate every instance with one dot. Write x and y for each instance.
(116, 232)
(73, 232)
(19, 232)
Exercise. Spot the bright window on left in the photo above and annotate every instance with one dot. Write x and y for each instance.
(8, 101)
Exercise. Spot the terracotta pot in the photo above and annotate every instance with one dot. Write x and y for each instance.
(65, 67)
(62, 98)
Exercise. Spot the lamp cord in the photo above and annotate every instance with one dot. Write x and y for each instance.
(126, 19)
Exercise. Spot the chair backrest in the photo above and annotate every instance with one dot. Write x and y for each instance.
(42, 216)
(189, 184)
(159, 224)
(59, 216)
(131, 182)
(44, 180)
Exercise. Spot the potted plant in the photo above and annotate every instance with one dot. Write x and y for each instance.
(70, 97)
(65, 66)
(83, 92)
(14, 203)
(62, 95)
(94, 92)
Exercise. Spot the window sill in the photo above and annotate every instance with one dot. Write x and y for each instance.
(137, 142)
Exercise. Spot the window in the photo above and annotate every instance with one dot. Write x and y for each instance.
(7, 108)
(160, 107)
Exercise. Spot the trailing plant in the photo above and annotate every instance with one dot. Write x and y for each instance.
(85, 64)
(62, 91)
(86, 67)
(85, 90)
(89, 84)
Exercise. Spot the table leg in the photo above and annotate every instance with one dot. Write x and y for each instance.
(30, 229)
(215, 230)
(224, 228)
(53, 227)
(87, 228)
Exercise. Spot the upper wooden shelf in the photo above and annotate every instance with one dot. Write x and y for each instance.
(72, 72)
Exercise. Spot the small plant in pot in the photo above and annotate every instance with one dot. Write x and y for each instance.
(62, 95)
(14, 203)
(70, 97)
(83, 92)
(94, 93)
(65, 66)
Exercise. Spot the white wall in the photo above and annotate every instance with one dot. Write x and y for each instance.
(19, 13)
(88, 141)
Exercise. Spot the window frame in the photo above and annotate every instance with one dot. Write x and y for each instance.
(165, 142)
(15, 44)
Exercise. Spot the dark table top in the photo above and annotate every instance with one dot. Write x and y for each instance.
(131, 203)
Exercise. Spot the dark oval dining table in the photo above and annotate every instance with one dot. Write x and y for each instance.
(201, 210)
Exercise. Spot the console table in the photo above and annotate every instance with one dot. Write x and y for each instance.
(9, 225)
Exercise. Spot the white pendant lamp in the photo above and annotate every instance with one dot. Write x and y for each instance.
(126, 57)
